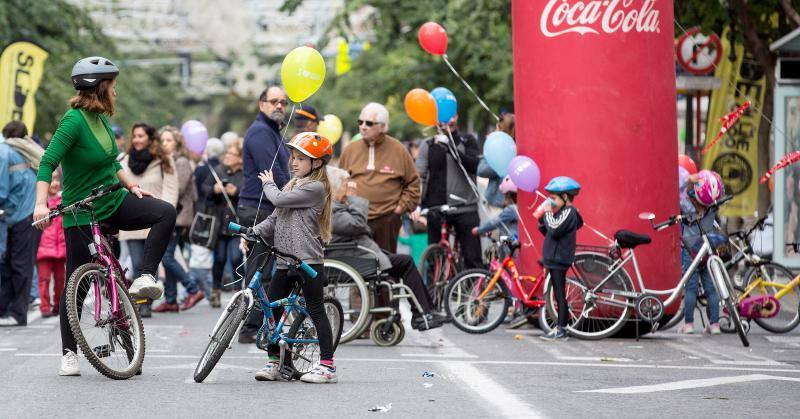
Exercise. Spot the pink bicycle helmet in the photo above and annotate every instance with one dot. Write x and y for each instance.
(507, 185)
(709, 187)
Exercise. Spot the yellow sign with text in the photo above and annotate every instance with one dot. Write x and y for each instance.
(735, 156)
(21, 69)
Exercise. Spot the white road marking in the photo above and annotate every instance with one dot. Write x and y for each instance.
(506, 403)
(594, 359)
(688, 384)
(441, 355)
(734, 358)
(8, 349)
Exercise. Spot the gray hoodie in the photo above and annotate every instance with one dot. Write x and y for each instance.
(350, 225)
(294, 225)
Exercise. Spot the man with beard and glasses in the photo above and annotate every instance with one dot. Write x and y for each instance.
(263, 144)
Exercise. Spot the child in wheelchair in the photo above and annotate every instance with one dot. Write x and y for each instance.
(350, 226)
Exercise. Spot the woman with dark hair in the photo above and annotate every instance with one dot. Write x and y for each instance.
(84, 146)
(149, 166)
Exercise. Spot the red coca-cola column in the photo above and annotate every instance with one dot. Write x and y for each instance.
(594, 91)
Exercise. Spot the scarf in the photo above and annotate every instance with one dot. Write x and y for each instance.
(139, 160)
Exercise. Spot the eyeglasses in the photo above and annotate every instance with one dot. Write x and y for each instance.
(369, 124)
(275, 102)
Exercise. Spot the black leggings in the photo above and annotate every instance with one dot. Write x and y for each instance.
(281, 286)
(133, 214)
(559, 278)
(403, 267)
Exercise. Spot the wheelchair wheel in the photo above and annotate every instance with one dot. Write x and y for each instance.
(347, 286)
(392, 337)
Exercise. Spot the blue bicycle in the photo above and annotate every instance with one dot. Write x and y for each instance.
(299, 347)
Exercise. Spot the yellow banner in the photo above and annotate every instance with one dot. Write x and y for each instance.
(342, 58)
(21, 69)
(735, 156)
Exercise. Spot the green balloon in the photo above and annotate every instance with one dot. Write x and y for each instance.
(356, 137)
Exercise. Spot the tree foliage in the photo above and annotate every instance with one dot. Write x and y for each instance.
(68, 33)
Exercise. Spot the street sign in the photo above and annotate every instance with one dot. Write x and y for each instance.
(697, 52)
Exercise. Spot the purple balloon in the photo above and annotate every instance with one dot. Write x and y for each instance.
(524, 172)
(196, 135)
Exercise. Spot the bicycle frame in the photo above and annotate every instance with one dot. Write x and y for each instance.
(784, 288)
(514, 282)
(103, 255)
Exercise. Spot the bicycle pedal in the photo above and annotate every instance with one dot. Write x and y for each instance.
(102, 351)
(286, 372)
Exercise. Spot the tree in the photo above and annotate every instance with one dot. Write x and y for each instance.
(479, 47)
(68, 34)
(756, 24)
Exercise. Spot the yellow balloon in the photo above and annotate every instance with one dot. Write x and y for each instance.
(302, 73)
(331, 128)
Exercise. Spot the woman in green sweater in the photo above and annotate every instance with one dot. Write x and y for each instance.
(84, 146)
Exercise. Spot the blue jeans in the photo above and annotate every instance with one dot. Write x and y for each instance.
(136, 251)
(175, 272)
(227, 250)
(690, 291)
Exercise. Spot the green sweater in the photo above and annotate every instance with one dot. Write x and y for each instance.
(86, 164)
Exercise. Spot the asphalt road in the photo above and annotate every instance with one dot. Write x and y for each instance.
(440, 373)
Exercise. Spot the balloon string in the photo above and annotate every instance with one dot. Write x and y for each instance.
(469, 87)
(277, 150)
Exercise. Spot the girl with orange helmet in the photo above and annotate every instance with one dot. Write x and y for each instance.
(300, 225)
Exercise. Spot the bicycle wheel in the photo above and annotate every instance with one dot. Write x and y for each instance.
(113, 342)
(788, 316)
(228, 325)
(347, 286)
(594, 313)
(721, 280)
(469, 313)
(333, 309)
(436, 269)
(303, 357)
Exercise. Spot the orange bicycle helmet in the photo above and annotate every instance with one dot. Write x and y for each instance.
(312, 145)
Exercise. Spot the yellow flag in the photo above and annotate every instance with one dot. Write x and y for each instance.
(735, 156)
(21, 69)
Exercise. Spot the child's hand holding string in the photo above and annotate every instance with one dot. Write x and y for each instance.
(266, 176)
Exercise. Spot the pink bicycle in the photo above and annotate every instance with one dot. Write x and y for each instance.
(112, 337)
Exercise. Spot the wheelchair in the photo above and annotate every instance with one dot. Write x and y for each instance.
(356, 282)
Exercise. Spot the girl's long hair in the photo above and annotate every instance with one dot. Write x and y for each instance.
(319, 174)
(155, 146)
(180, 143)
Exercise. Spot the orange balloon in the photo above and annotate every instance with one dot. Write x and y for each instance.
(421, 107)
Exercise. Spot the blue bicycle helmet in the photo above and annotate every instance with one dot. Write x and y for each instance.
(563, 184)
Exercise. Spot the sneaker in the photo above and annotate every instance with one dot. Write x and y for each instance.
(69, 364)
(270, 372)
(713, 329)
(687, 329)
(426, 321)
(8, 321)
(192, 299)
(167, 307)
(556, 335)
(320, 375)
(146, 286)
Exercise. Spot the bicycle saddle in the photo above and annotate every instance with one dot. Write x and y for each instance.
(628, 239)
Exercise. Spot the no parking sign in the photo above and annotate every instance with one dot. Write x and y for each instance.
(697, 52)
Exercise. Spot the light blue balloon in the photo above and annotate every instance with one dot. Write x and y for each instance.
(498, 150)
(446, 105)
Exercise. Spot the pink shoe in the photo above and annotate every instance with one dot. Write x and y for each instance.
(713, 329)
(687, 329)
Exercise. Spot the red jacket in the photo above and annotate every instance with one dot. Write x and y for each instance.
(53, 244)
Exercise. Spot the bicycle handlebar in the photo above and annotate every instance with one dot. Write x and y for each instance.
(442, 209)
(97, 192)
(248, 234)
(672, 220)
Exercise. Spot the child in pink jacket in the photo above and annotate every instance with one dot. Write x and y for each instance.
(52, 256)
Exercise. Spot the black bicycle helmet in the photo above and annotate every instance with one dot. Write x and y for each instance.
(88, 72)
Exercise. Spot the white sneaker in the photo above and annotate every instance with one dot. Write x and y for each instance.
(146, 286)
(320, 375)
(8, 322)
(687, 329)
(69, 364)
(270, 372)
(713, 329)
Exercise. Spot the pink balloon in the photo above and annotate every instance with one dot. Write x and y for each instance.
(524, 172)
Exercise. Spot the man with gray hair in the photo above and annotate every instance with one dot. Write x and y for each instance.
(384, 173)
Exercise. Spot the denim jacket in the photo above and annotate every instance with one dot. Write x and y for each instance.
(17, 190)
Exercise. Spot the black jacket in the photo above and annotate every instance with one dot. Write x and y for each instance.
(261, 142)
(221, 209)
(560, 229)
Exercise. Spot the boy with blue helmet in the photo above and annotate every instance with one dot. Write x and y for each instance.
(559, 225)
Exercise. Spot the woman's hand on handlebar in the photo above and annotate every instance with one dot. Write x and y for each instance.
(40, 213)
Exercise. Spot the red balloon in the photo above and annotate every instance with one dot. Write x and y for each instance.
(687, 163)
(433, 38)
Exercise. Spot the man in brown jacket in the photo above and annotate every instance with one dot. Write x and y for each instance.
(384, 173)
